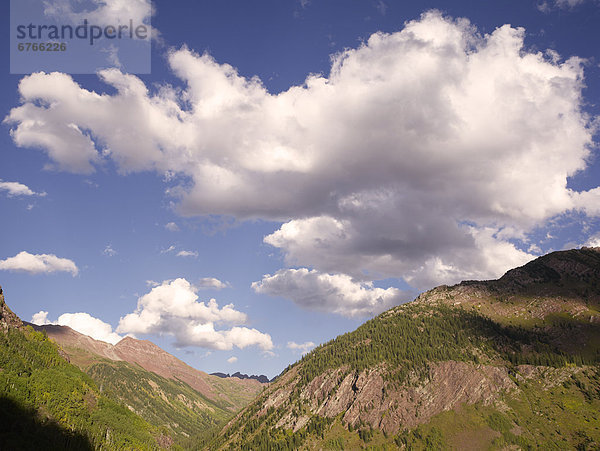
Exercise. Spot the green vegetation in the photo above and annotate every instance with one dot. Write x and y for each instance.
(410, 337)
(62, 405)
(262, 434)
(404, 341)
(544, 414)
(540, 417)
(174, 405)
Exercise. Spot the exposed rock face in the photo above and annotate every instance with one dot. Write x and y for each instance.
(365, 398)
(8, 320)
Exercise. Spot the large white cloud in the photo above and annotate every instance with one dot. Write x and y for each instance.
(335, 293)
(172, 308)
(83, 323)
(419, 156)
(38, 263)
(423, 253)
(88, 325)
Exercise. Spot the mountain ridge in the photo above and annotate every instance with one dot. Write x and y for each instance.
(262, 378)
(152, 358)
(479, 347)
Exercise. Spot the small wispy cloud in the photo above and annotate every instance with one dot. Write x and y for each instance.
(168, 250)
(302, 347)
(381, 7)
(193, 254)
(212, 283)
(14, 189)
(232, 360)
(547, 7)
(593, 241)
(109, 251)
(172, 227)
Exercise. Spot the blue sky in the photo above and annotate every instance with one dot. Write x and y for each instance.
(302, 198)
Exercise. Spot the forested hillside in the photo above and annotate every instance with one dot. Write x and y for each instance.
(47, 403)
(182, 402)
(504, 363)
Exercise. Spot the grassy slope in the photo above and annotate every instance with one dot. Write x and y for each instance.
(174, 405)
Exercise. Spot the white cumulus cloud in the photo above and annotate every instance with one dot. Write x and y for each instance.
(38, 263)
(18, 189)
(88, 325)
(212, 283)
(40, 318)
(336, 293)
(187, 254)
(420, 156)
(232, 360)
(173, 309)
(83, 323)
(172, 227)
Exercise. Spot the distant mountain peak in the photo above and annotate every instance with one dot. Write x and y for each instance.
(262, 378)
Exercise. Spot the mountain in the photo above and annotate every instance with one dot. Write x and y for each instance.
(47, 403)
(512, 363)
(262, 378)
(162, 389)
(85, 351)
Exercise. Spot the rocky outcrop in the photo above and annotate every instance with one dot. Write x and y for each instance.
(8, 320)
(365, 398)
